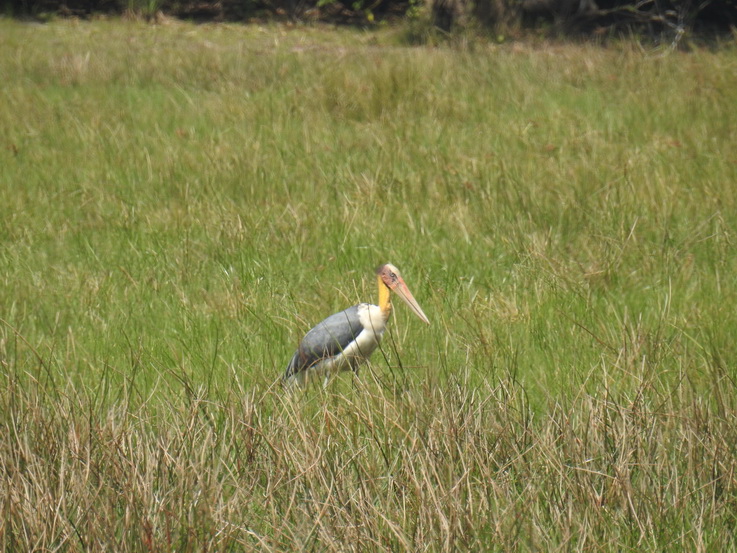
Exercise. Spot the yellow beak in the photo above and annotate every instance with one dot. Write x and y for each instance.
(403, 292)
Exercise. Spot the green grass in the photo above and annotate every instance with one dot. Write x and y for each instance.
(181, 203)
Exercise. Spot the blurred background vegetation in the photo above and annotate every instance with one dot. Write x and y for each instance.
(656, 20)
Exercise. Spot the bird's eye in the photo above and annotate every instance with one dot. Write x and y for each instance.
(393, 276)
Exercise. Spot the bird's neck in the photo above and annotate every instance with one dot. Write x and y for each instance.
(385, 302)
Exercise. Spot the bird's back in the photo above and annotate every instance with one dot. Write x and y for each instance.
(327, 339)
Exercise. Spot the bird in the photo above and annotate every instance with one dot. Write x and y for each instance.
(346, 339)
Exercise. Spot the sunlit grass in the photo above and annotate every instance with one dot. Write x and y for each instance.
(181, 203)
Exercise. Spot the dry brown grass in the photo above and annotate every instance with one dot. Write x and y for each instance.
(459, 468)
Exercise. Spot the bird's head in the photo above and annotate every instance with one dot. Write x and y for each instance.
(389, 275)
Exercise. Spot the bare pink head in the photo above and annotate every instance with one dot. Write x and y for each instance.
(391, 278)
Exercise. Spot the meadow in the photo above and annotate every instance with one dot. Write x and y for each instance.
(181, 202)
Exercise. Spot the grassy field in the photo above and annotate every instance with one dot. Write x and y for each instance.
(181, 203)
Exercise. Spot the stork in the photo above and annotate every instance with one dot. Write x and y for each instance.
(346, 339)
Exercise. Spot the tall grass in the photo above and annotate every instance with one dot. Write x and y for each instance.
(181, 203)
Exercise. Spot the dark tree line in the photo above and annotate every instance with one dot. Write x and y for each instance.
(656, 17)
(672, 17)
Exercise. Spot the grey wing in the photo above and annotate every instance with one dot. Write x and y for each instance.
(325, 340)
